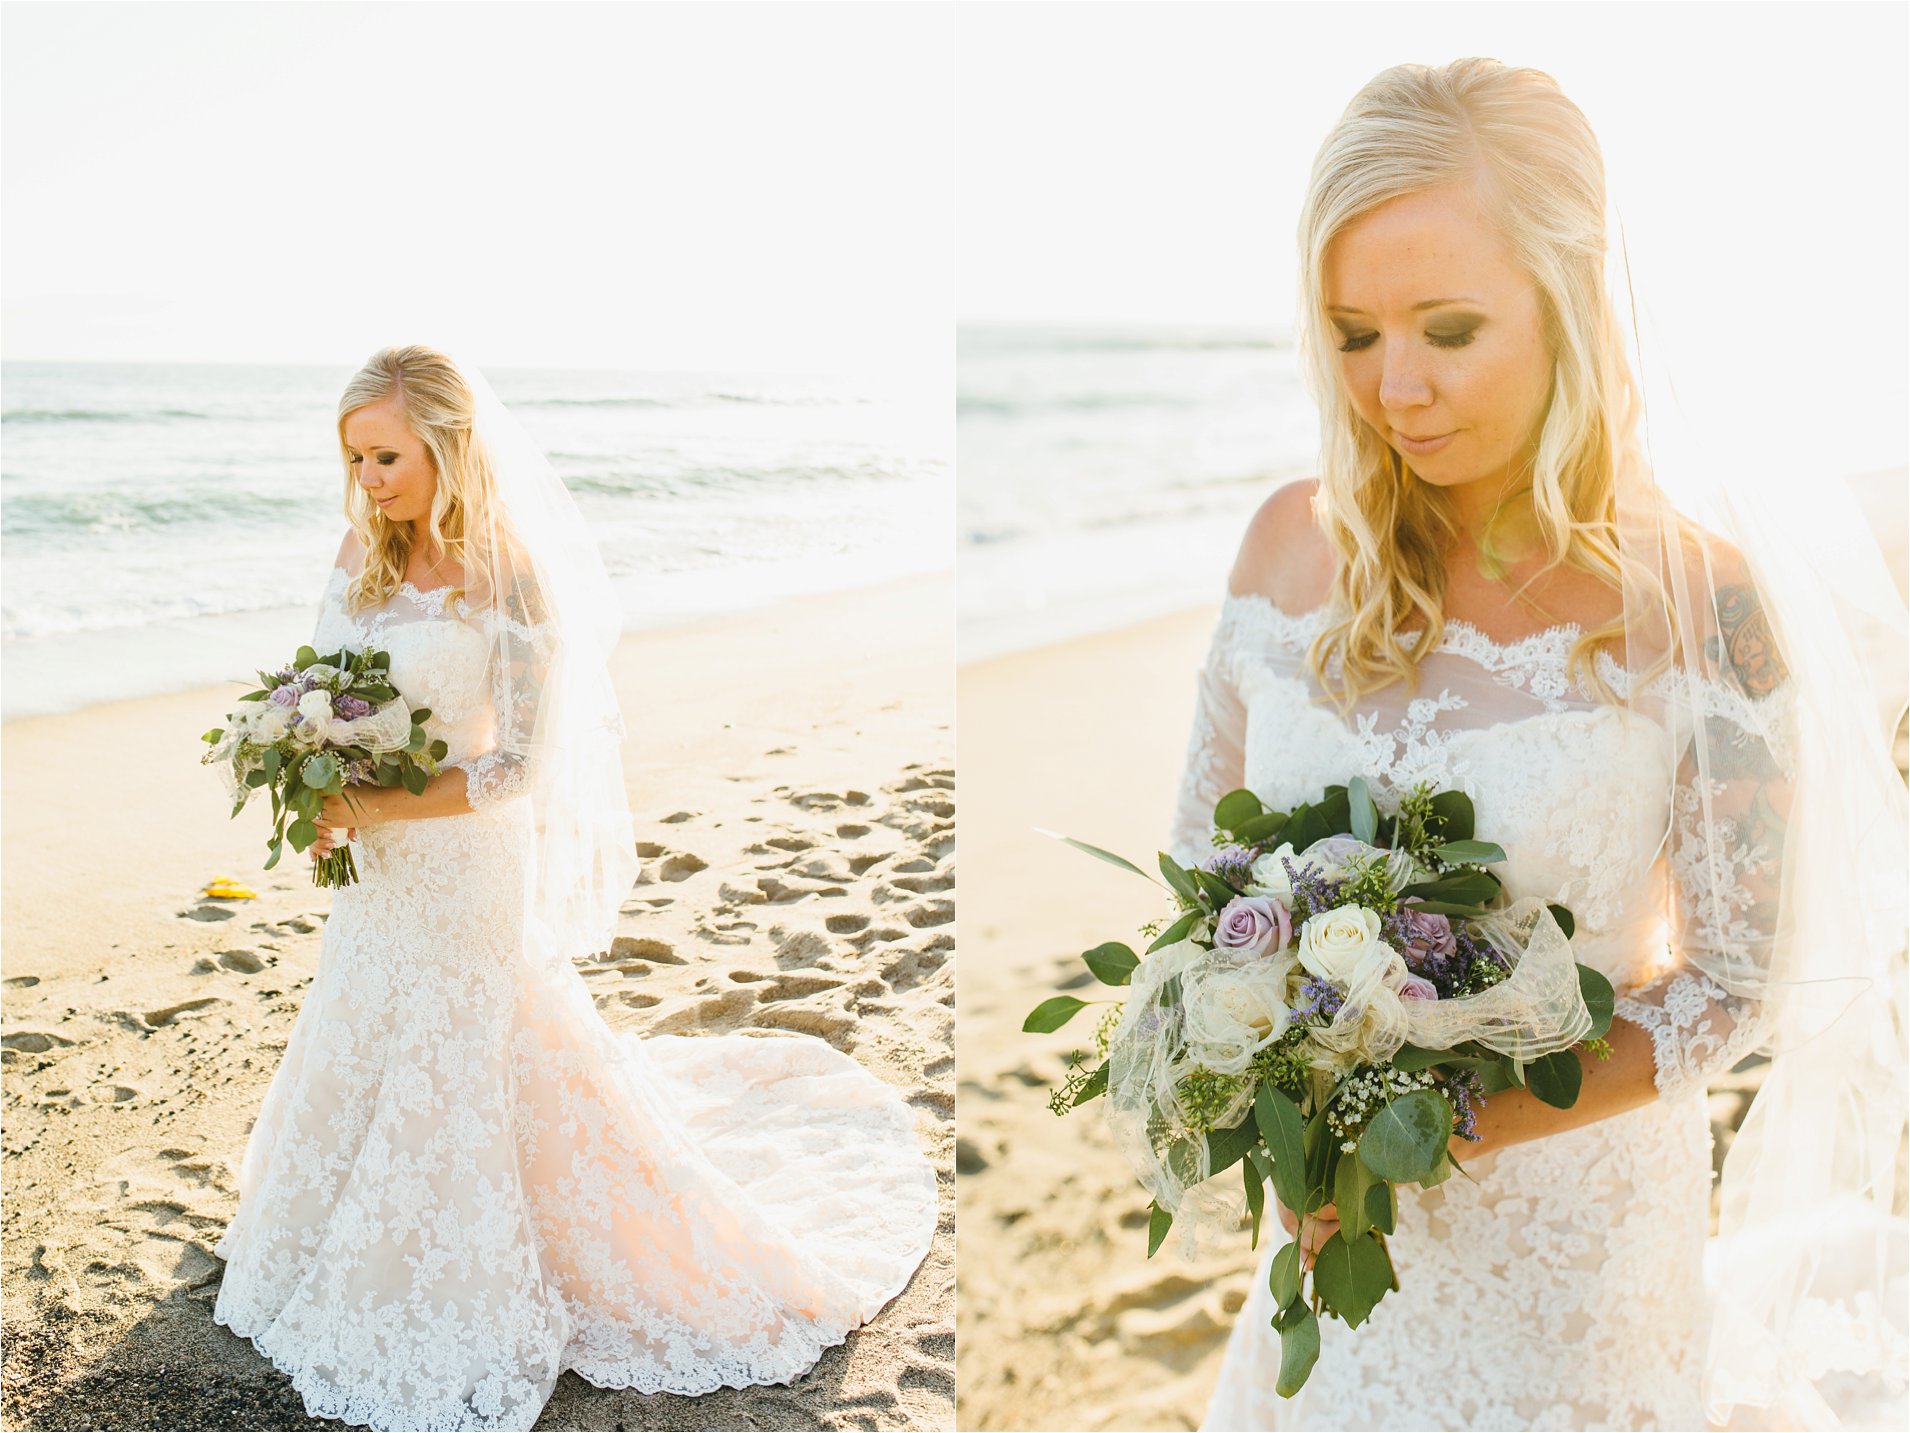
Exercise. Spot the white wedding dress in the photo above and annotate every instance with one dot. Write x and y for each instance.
(1564, 1288)
(462, 1182)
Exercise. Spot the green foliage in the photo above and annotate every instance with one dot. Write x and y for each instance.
(1556, 1078)
(1283, 1275)
(1362, 814)
(1159, 1221)
(1112, 963)
(1299, 1348)
(1284, 1131)
(1599, 999)
(1179, 881)
(1052, 1013)
(1351, 1275)
(1364, 881)
(1403, 1141)
(1236, 808)
(1175, 932)
(1452, 810)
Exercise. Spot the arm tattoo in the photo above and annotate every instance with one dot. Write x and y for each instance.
(1748, 643)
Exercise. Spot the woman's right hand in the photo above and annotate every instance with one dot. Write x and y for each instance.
(328, 839)
(1321, 1225)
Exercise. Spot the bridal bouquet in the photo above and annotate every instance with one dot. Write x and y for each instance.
(1339, 991)
(310, 730)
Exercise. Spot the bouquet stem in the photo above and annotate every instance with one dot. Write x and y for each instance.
(335, 869)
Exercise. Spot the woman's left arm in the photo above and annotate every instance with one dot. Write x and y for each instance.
(1731, 804)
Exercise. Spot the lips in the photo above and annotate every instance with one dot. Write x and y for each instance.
(1422, 446)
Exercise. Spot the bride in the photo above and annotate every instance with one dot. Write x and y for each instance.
(1487, 589)
(461, 1181)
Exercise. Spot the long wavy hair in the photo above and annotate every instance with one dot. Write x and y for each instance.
(1512, 140)
(439, 406)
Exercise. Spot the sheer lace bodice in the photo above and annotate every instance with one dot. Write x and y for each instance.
(462, 1181)
(1562, 1289)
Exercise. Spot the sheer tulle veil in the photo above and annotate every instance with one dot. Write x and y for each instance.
(532, 560)
(1807, 1273)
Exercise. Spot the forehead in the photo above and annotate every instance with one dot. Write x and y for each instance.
(1437, 243)
(379, 425)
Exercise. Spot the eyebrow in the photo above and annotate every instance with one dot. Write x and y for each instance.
(1423, 304)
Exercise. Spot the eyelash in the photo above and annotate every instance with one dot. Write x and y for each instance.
(1438, 340)
(382, 462)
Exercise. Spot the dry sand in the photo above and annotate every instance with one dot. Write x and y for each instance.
(792, 777)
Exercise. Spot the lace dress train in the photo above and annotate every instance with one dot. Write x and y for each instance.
(462, 1182)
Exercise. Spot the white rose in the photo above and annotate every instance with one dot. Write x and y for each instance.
(1270, 877)
(272, 723)
(1332, 854)
(1230, 1012)
(315, 705)
(1344, 946)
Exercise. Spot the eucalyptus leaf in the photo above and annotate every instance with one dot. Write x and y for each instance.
(1052, 1013)
(1099, 854)
(1226, 1147)
(1256, 1200)
(1299, 1351)
(1305, 826)
(1285, 1133)
(306, 658)
(1261, 828)
(420, 716)
(1402, 1142)
(1159, 1221)
(1235, 808)
(1350, 1183)
(1464, 886)
(1283, 1275)
(1218, 891)
(1556, 1078)
(1599, 999)
(1567, 923)
(1362, 814)
(1415, 1057)
(302, 834)
(1096, 1086)
(1382, 1206)
(273, 859)
(1455, 853)
(1454, 810)
(1175, 932)
(1112, 963)
(1351, 1276)
(1178, 879)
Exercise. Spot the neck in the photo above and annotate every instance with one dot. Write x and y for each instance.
(1494, 517)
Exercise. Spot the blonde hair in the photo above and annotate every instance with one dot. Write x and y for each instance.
(439, 407)
(1513, 141)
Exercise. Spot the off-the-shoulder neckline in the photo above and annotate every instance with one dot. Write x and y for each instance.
(405, 586)
(1455, 627)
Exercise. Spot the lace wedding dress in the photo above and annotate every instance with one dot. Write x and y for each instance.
(462, 1182)
(1564, 1288)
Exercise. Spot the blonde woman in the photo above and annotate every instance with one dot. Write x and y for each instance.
(1485, 590)
(462, 1182)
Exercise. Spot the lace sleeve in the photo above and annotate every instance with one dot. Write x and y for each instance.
(1216, 748)
(1730, 805)
(521, 654)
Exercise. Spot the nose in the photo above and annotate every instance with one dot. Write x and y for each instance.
(1403, 383)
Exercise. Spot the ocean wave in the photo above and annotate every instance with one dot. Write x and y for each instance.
(694, 400)
(96, 415)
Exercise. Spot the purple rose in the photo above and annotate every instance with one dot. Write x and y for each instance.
(1428, 939)
(1253, 926)
(353, 707)
(1417, 987)
(285, 696)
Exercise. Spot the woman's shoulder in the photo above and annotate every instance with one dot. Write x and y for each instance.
(351, 553)
(1283, 556)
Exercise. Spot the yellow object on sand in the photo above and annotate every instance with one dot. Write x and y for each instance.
(224, 888)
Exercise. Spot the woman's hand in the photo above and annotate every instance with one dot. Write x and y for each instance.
(1321, 1225)
(337, 816)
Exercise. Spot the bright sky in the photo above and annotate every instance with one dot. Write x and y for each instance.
(1146, 163)
(573, 185)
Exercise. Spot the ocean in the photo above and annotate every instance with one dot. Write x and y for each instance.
(1107, 473)
(170, 526)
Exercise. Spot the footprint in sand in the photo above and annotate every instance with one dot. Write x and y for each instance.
(717, 1015)
(21, 982)
(860, 865)
(676, 817)
(852, 830)
(681, 866)
(912, 968)
(166, 1015)
(244, 961)
(798, 987)
(790, 843)
(800, 949)
(827, 1023)
(34, 1042)
(845, 925)
(207, 913)
(631, 947)
(923, 885)
(107, 1094)
(930, 913)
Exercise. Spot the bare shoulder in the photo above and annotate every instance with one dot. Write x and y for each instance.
(1739, 642)
(1284, 556)
(351, 553)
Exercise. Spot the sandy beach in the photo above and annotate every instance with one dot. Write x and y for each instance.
(792, 775)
